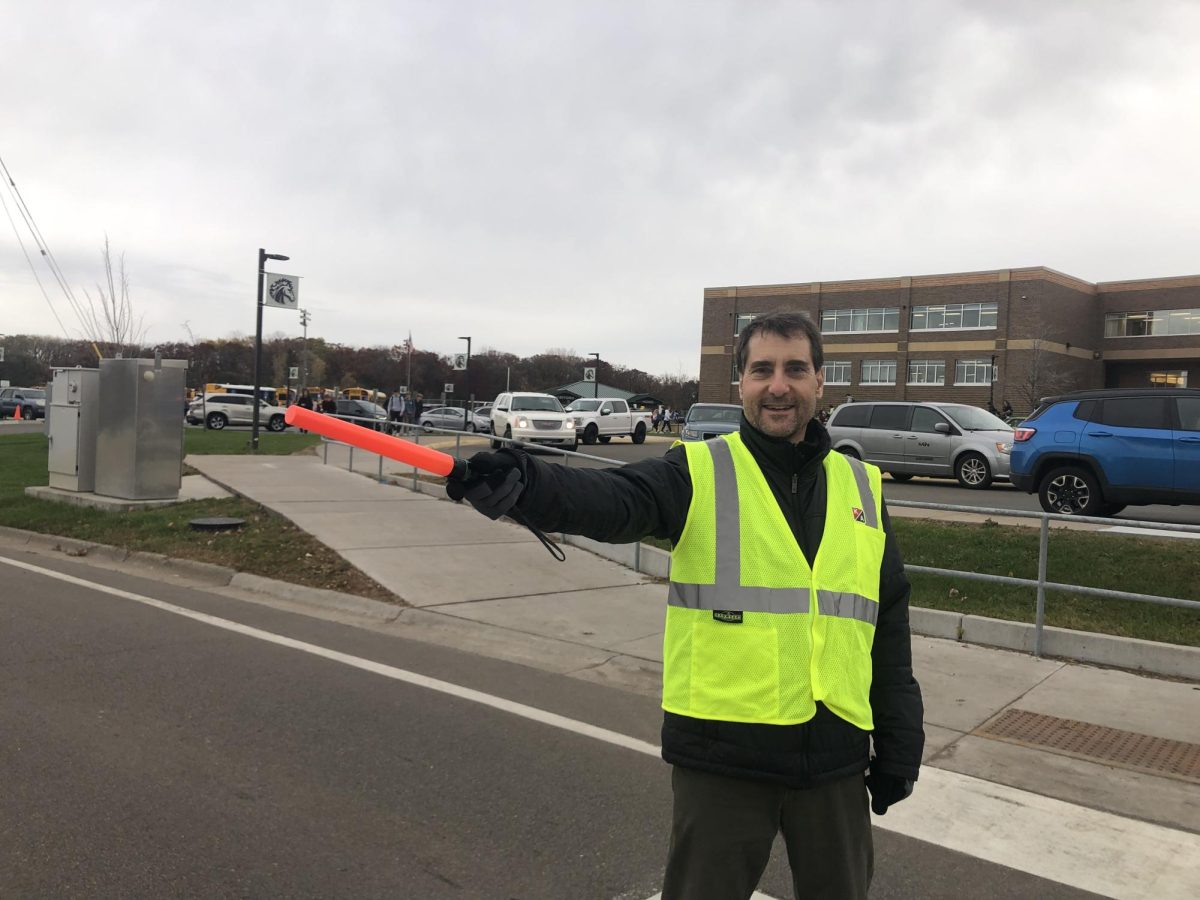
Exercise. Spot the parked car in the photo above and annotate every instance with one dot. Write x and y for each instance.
(452, 417)
(1092, 453)
(708, 420)
(913, 438)
(362, 412)
(485, 412)
(31, 402)
(537, 418)
(216, 411)
(603, 418)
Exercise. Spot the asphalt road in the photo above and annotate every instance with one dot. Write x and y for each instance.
(924, 490)
(147, 754)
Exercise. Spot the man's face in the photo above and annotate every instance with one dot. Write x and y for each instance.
(779, 386)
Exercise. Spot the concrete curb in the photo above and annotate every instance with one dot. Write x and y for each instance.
(317, 597)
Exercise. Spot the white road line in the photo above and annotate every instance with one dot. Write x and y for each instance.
(414, 678)
(1085, 848)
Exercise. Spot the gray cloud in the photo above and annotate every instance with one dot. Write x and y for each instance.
(574, 174)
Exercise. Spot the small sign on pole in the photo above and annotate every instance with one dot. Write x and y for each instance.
(460, 362)
(589, 374)
(447, 388)
(294, 373)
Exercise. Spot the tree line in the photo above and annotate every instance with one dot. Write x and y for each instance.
(29, 360)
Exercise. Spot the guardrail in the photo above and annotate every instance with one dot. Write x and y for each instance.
(1041, 583)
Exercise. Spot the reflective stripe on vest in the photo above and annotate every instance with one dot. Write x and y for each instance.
(754, 632)
(729, 593)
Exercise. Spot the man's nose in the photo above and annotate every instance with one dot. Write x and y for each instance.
(779, 383)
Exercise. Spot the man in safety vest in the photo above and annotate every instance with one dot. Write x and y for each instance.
(788, 691)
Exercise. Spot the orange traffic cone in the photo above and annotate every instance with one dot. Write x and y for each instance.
(17, 414)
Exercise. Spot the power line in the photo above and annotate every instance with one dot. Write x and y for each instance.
(43, 247)
(32, 268)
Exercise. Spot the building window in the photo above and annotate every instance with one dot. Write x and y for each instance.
(741, 322)
(974, 371)
(926, 371)
(1152, 323)
(1176, 378)
(848, 321)
(837, 371)
(878, 371)
(956, 316)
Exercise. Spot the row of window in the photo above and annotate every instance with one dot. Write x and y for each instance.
(960, 316)
(920, 371)
(885, 319)
(1153, 323)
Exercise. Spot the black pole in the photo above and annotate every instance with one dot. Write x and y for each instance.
(596, 379)
(467, 417)
(263, 256)
(262, 260)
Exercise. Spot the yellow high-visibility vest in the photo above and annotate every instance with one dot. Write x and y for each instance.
(753, 633)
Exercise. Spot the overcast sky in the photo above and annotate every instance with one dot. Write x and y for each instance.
(574, 174)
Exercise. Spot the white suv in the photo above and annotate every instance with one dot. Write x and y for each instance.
(218, 410)
(536, 418)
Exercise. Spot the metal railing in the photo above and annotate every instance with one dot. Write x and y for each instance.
(1041, 583)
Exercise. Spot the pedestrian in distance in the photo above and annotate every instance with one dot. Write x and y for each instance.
(1007, 411)
(395, 409)
(418, 409)
(789, 702)
(305, 402)
(667, 419)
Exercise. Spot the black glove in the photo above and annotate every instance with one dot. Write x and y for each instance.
(493, 484)
(886, 789)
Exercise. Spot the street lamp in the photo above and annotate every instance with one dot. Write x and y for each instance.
(263, 256)
(596, 380)
(467, 385)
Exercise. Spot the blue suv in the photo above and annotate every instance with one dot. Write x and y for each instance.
(1092, 453)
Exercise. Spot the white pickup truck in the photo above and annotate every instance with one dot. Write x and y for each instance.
(604, 418)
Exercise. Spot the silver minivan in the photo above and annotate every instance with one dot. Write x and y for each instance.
(946, 440)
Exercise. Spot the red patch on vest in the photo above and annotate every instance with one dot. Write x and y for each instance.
(858, 514)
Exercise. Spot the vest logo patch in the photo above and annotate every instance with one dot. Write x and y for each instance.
(732, 616)
(858, 514)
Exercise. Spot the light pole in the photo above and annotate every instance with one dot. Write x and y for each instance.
(304, 317)
(263, 256)
(467, 379)
(596, 380)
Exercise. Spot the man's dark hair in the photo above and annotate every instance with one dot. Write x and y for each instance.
(785, 325)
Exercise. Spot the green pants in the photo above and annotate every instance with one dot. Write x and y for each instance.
(723, 828)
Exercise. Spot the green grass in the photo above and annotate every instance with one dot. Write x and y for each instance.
(267, 545)
(1161, 566)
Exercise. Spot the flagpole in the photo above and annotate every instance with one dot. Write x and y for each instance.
(408, 377)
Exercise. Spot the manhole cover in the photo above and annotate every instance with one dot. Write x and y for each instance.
(217, 523)
(1097, 742)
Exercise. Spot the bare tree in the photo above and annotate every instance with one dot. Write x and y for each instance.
(109, 319)
(1043, 376)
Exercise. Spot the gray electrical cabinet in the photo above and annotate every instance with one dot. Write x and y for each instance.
(71, 427)
(139, 436)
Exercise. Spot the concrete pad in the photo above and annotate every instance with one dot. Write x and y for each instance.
(197, 487)
(605, 618)
(1169, 801)
(497, 643)
(1165, 709)
(454, 573)
(268, 479)
(649, 647)
(937, 740)
(363, 525)
(964, 685)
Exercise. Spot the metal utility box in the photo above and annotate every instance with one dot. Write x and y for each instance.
(71, 426)
(139, 438)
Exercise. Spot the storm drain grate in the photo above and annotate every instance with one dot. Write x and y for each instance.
(1111, 745)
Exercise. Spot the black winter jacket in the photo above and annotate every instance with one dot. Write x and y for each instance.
(652, 497)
